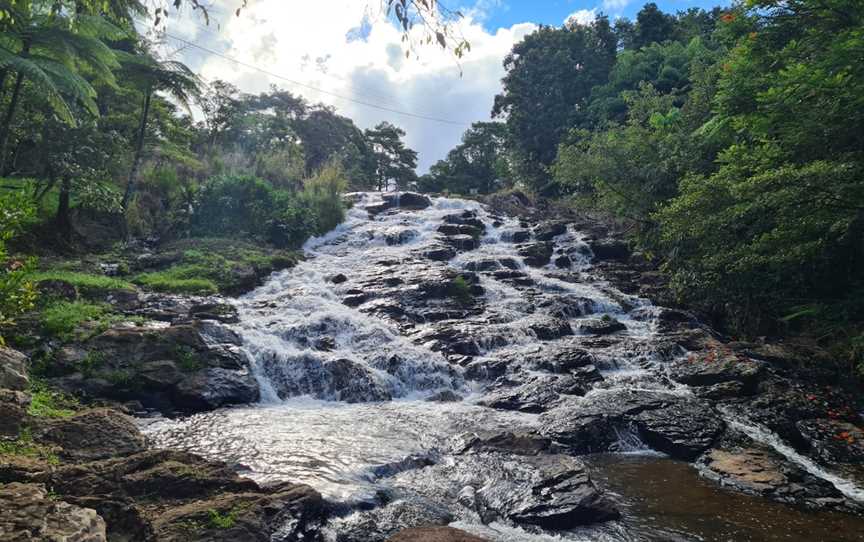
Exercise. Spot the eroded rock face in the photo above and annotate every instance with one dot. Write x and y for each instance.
(13, 370)
(29, 514)
(434, 534)
(537, 254)
(13, 412)
(94, 434)
(834, 441)
(681, 427)
(532, 393)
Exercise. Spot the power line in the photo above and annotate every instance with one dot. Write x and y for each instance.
(311, 87)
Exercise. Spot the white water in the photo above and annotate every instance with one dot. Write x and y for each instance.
(302, 432)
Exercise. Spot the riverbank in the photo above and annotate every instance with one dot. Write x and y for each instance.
(529, 325)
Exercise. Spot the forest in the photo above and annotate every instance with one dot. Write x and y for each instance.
(728, 141)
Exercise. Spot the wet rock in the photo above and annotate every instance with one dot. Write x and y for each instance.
(225, 313)
(30, 513)
(13, 370)
(761, 472)
(717, 367)
(462, 242)
(460, 229)
(408, 515)
(399, 236)
(13, 412)
(434, 534)
(548, 329)
(600, 326)
(338, 278)
(445, 396)
(93, 434)
(610, 249)
(681, 427)
(515, 236)
(355, 300)
(439, 253)
(520, 443)
(215, 387)
(549, 230)
(565, 306)
(406, 200)
(563, 262)
(532, 393)
(537, 254)
(492, 264)
(353, 383)
(466, 218)
(833, 441)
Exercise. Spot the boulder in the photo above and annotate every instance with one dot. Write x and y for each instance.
(515, 236)
(460, 229)
(518, 443)
(13, 412)
(717, 366)
(532, 393)
(462, 242)
(13, 370)
(352, 382)
(214, 387)
(399, 236)
(406, 200)
(549, 230)
(600, 326)
(439, 253)
(610, 249)
(338, 278)
(31, 514)
(93, 434)
(833, 441)
(536, 254)
(492, 264)
(466, 218)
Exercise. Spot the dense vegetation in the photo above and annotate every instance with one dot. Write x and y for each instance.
(98, 146)
(730, 140)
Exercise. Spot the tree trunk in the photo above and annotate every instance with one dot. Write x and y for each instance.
(139, 150)
(6, 128)
(63, 220)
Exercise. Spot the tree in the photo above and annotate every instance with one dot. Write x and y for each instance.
(652, 26)
(394, 163)
(548, 82)
(152, 75)
(478, 163)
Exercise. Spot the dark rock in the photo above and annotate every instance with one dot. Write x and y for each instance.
(537, 254)
(460, 229)
(221, 312)
(717, 367)
(682, 427)
(492, 264)
(338, 278)
(406, 200)
(13, 370)
(600, 326)
(399, 236)
(414, 516)
(355, 300)
(216, 387)
(610, 249)
(506, 442)
(563, 262)
(549, 230)
(466, 218)
(30, 513)
(515, 236)
(93, 434)
(353, 383)
(434, 534)
(445, 396)
(440, 253)
(548, 329)
(532, 393)
(462, 242)
(833, 441)
(13, 412)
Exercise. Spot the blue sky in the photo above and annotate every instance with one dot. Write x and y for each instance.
(504, 13)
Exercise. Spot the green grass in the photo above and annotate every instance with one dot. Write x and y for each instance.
(83, 282)
(460, 290)
(187, 360)
(177, 280)
(220, 520)
(48, 403)
(62, 318)
(25, 446)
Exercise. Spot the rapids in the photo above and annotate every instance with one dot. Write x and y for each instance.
(345, 384)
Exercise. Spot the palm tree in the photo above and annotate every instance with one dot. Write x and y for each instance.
(152, 75)
(52, 50)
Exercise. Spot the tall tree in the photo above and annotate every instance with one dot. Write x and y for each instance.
(395, 163)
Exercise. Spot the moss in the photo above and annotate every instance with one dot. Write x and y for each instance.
(460, 290)
(49, 403)
(85, 283)
(221, 520)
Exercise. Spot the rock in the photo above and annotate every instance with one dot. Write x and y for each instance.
(460, 229)
(445, 396)
(31, 514)
(462, 242)
(833, 441)
(440, 253)
(215, 387)
(221, 312)
(600, 326)
(93, 434)
(537, 254)
(679, 426)
(532, 393)
(57, 289)
(717, 367)
(610, 249)
(492, 264)
(355, 300)
(399, 236)
(351, 382)
(548, 329)
(338, 278)
(13, 370)
(506, 442)
(408, 514)
(434, 534)
(515, 236)
(466, 218)
(13, 412)
(563, 262)
(549, 230)
(406, 200)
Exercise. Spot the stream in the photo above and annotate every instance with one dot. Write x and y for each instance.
(349, 347)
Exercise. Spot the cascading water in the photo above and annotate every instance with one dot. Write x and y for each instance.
(348, 346)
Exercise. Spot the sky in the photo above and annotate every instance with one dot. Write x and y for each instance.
(347, 54)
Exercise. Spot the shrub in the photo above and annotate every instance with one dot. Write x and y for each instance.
(48, 403)
(17, 293)
(220, 520)
(460, 290)
(235, 205)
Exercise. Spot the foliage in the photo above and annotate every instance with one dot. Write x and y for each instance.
(17, 292)
(86, 283)
(46, 402)
(394, 163)
(478, 164)
(460, 290)
(221, 520)
(62, 318)
(25, 446)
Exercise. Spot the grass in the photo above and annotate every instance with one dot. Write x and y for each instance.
(85, 283)
(177, 280)
(187, 361)
(62, 318)
(460, 290)
(48, 403)
(25, 446)
(221, 520)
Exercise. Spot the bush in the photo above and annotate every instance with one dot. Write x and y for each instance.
(17, 292)
(235, 205)
(48, 403)
(62, 318)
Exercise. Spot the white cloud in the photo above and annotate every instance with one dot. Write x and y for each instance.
(303, 40)
(583, 16)
(615, 6)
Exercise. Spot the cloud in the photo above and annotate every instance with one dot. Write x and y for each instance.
(583, 17)
(337, 46)
(615, 6)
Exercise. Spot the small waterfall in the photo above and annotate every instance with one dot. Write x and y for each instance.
(765, 436)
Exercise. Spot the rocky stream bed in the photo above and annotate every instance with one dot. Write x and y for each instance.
(437, 370)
